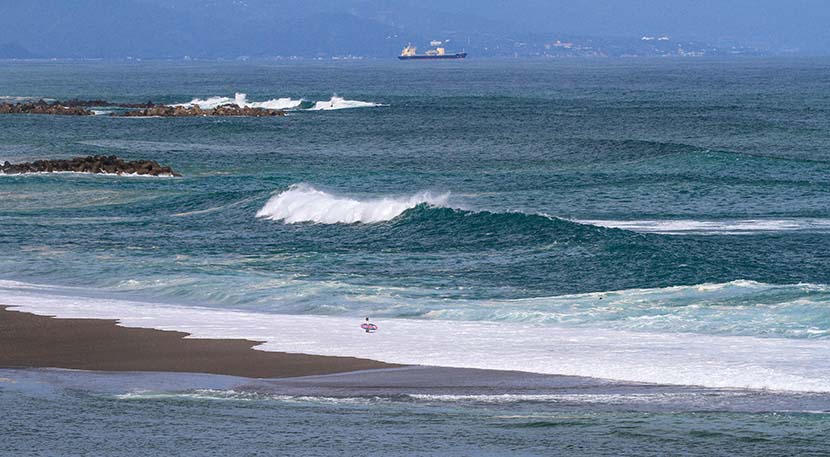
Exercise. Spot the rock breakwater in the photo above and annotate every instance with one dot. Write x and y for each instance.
(43, 107)
(149, 109)
(90, 164)
(195, 110)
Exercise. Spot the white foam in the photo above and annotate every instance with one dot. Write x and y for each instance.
(209, 103)
(336, 103)
(658, 397)
(19, 99)
(87, 173)
(303, 203)
(277, 103)
(732, 308)
(233, 395)
(668, 358)
(715, 227)
(284, 103)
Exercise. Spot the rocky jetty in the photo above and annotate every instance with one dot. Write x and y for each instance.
(90, 164)
(236, 110)
(42, 107)
(195, 110)
(79, 108)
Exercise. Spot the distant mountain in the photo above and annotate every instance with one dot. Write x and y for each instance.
(379, 28)
(14, 51)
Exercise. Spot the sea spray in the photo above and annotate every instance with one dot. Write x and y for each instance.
(304, 203)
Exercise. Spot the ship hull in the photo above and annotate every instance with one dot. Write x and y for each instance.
(460, 55)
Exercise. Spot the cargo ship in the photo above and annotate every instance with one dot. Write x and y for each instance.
(410, 53)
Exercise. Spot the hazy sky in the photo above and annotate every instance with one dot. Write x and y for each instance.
(232, 27)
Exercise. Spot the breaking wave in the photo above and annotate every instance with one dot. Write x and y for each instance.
(304, 203)
(285, 103)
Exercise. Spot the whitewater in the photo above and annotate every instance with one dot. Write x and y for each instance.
(304, 203)
(652, 357)
(283, 103)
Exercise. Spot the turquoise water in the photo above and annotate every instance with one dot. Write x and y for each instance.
(662, 199)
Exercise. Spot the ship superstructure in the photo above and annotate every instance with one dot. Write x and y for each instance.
(439, 52)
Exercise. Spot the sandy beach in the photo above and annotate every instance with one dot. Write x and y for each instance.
(32, 341)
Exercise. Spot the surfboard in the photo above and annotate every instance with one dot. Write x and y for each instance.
(370, 327)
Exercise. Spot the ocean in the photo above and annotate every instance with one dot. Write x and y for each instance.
(657, 229)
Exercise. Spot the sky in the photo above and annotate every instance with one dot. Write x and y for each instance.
(229, 28)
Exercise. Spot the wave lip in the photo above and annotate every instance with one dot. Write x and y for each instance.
(284, 103)
(304, 203)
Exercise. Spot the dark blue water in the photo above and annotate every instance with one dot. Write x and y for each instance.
(692, 196)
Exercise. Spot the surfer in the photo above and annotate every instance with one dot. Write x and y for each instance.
(368, 326)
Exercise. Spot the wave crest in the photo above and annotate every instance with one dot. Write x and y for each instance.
(304, 203)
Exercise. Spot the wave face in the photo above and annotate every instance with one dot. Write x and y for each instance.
(285, 103)
(303, 203)
(666, 358)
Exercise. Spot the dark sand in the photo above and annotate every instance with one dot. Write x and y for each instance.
(31, 341)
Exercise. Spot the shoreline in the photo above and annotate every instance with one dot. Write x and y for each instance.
(31, 341)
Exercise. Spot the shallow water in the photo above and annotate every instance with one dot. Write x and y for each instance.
(651, 221)
(419, 411)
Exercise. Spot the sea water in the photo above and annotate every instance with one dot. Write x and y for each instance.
(650, 222)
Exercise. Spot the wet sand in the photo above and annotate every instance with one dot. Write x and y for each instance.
(32, 341)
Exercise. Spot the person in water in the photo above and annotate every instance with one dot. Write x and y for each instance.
(367, 325)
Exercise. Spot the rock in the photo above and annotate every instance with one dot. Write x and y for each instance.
(236, 110)
(41, 107)
(196, 110)
(77, 107)
(90, 164)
